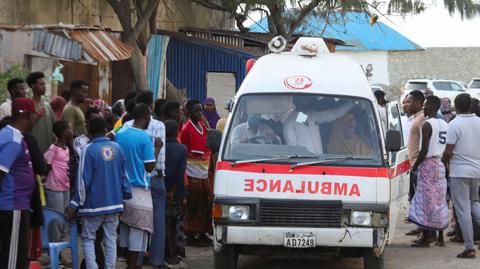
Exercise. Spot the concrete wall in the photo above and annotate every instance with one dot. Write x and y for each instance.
(172, 14)
(379, 61)
(443, 63)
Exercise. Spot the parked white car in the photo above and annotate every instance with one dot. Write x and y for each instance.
(474, 88)
(439, 87)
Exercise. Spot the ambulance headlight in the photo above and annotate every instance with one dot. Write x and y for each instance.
(361, 218)
(238, 212)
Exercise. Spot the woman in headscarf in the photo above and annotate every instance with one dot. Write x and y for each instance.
(344, 139)
(58, 103)
(210, 112)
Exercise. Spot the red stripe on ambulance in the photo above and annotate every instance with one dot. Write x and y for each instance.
(379, 172)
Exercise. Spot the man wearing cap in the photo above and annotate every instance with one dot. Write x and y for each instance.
(17, 183)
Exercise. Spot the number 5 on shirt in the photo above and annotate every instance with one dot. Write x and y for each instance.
(442, 137)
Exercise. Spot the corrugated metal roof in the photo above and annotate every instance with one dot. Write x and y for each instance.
(57, 46)
(102, 46)
(30, 27)
(354, 29)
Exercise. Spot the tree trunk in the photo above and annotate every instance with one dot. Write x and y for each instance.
(138, 63)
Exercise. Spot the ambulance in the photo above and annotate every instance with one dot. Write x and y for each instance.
(304, 167)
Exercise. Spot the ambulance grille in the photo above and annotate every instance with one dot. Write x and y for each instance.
(321, 214)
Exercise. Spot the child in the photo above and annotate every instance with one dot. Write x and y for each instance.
(428, 207)
(175, 165)
(57, 187)
(103, 172)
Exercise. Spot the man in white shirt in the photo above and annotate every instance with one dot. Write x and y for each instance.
(244, 131)
(16, 89)
(463, 155)
(302, 127)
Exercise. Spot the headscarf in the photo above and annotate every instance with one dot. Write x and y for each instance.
(102, 106)
(339, 144)
(58, 103)
(212, 117)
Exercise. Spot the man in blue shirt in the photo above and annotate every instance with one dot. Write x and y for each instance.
(137, 220)
(17, 183)
(101, 188)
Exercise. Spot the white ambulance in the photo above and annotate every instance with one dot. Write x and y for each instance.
(304, 169)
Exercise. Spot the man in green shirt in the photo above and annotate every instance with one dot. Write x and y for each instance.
(42, 129)
(72, 112)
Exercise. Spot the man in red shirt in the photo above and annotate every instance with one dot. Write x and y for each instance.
(199, 199)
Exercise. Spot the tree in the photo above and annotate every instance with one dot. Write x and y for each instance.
(138, 20)
(283, 20)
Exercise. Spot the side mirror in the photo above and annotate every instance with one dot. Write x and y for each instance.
(229, 105)
(214, 138)
(393, 141)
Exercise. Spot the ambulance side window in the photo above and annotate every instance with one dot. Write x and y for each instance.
(394, 121)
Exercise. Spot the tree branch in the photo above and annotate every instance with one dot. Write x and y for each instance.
(142, 21)
(121, 8)
(301, 16)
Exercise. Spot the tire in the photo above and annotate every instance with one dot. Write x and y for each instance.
(225, 258)
(371, 261)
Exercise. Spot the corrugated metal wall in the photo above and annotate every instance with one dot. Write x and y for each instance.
(188, 64)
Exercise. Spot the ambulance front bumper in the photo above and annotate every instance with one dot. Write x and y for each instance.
(274, 236)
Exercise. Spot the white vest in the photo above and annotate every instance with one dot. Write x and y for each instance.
(438, 140)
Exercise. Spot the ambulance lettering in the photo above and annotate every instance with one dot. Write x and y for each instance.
(309, 187)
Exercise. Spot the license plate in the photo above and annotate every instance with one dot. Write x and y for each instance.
(299, 240)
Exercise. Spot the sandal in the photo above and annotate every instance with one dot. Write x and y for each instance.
(451, 233)
(467, 254)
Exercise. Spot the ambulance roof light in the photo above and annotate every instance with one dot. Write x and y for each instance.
(310, 46)
(277, 44)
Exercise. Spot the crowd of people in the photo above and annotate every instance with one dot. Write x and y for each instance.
(445, 167)
(136, 177)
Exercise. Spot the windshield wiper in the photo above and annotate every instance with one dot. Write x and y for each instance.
(330, 160)
(274, 159)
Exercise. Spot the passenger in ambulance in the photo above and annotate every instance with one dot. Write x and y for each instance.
(345, 140)
(302, 127)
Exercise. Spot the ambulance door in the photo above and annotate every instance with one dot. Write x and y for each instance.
(398, 169)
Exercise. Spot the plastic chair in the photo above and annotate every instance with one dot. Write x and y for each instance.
(54, 248)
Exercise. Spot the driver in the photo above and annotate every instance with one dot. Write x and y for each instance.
(244, 131)
(255, 131)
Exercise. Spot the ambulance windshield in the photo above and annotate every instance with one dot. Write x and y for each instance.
(268, 126)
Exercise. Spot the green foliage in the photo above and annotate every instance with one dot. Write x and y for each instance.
(15, 71)
(284, 16)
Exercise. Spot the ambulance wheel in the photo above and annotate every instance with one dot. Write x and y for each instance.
(370, 261)
(225, 258)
